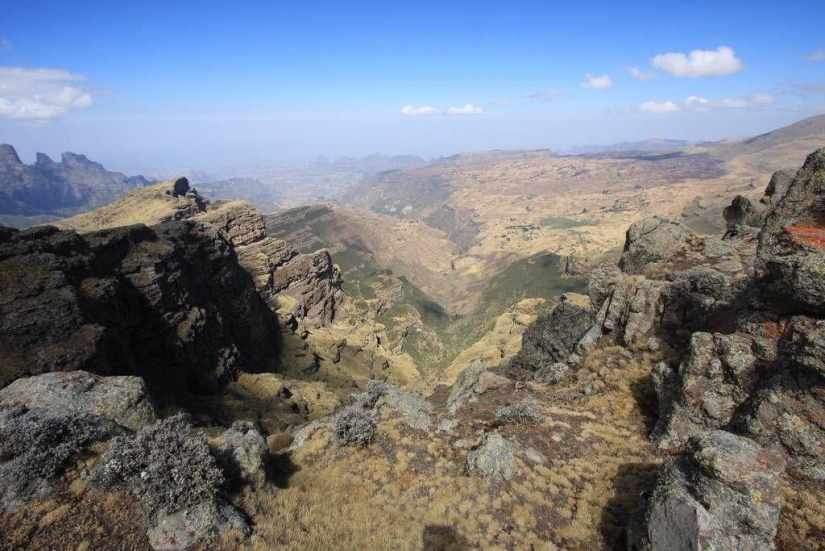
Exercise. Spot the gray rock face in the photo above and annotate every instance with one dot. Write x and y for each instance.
(650, 241)
(791, 251)
(245, 451)
(73, 185)
(725, 493)
(718, 376)
(494, 459)
(778, 187)
(744, 213)
(552, 373)
(170, 300)
(123, 400)
(209, 519)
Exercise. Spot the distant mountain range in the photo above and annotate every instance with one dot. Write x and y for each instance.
(47, 188)
(654, 144)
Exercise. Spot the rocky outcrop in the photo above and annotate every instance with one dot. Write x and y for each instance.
(744, 215)
(724, 493)
(303, 286)
(73, 185)
(306, 286)
(470, 383)
(169, 303)
(494, 459)
(791, 249)
(245, 454)
(553, 338)
(719, 375)
(650, 241)
(123, 400)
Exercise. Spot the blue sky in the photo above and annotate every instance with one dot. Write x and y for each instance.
(203, 83)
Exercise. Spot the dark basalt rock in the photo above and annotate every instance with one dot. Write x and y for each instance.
(169, 303)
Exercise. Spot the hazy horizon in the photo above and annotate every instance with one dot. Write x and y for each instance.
(153, 88)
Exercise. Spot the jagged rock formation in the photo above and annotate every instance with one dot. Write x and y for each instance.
(167, 302)
(73, 185)
(303, 286)
(743, 314)
(306, 286)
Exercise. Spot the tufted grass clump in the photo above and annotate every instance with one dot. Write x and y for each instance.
(518, 413)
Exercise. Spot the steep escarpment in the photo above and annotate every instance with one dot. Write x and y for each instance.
(301, 286)
(73, 185)
(167, 301)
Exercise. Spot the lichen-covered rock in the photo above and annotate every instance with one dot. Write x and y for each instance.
(123, 400)
(777, 187)
(791, 251)
(182, 529)
(652, 240)
(724, 493)
(743, 215)
(718, 376)
(494, 459)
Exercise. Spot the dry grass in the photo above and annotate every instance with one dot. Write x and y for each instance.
(408, 489)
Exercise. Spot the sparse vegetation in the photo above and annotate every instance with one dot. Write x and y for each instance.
(354, 427)
(163, 465)
(37, 446)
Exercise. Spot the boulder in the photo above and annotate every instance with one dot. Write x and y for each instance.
(207, 520)
(245, 454)
(743, 215)
(123, 400)
(553, 337)
(471, 382)
(777, 187)
(494, 459)
(724, 493)
(650, 241)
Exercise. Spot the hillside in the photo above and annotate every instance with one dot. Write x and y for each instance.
(51, 189)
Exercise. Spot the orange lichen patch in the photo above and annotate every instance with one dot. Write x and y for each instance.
(809, 235)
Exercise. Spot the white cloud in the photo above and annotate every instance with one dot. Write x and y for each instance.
(699, 63)
(546, 95)
(758, 99)
(598, 83)
(423, 110)
(635, 72)
(816, 56)
(654, 107)
(468, 109)
(40, 94)
(699, 104)
(5, 45)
